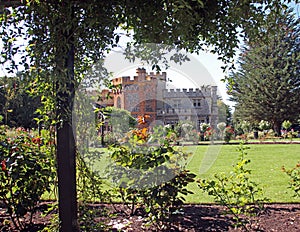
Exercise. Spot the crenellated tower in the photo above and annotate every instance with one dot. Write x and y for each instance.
(146, 94)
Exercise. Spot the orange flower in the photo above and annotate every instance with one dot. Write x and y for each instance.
(142, 119)
(141, 133)
(36, 140)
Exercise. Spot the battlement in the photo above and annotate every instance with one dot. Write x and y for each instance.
(142, 75)
(191, 92)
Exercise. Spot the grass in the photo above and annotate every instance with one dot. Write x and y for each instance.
(266, 163)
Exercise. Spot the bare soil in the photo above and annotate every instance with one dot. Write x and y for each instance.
(194, 218)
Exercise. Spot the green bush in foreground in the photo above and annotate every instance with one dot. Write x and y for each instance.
(27, 172)
(294, 175)
(151, 177)
(236, 191)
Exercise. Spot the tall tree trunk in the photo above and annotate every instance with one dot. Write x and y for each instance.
(66, 148)
(66, 178)
(277, 128)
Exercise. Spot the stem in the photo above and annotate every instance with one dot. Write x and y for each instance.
(229, 208)
(7, 204)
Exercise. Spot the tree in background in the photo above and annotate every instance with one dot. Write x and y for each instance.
(224, 112)
(17, 106)
(266, 85)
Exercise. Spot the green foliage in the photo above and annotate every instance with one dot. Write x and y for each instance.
(246, 126)
(204, 126)
(161, 134)
(87, 215)
(163, 201)
(120, 120)
(27, 172)
(288, 133)
(294, 182)
(266, 85)
(90, 187)
(264, 125)
(224, 112)
(235, 190)
(228, 133)
(242, 130)
(221, 127)
(16, 104)
(53, 225)
(61, 40)
(286, 124)
(186, 132)
(152, 177)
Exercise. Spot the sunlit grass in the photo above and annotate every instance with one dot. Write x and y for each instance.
(266, 163)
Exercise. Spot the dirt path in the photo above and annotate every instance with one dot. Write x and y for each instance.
(276, 217)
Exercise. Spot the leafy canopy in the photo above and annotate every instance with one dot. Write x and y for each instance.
(47, 27)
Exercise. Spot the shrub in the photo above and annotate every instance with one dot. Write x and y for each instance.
(235, 190)
(152, 177)
(221, 127)
(264, 125)
(161, 133)
(204, 126)
(286, 124)
(209, 133)
(294, 182)
(228, 134)
(27, 172)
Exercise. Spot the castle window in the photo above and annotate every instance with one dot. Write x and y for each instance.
(177, 104)
(119, 102)
(197, 103)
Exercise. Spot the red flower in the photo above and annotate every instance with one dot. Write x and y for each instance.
(36, 140)
(3, 165)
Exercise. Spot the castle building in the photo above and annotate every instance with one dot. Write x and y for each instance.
(146, 94)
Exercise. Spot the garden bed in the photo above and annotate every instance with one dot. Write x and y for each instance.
(200, 217)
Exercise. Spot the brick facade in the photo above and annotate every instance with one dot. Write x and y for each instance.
(146, 94)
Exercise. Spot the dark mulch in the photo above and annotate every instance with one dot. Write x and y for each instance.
(275, 217)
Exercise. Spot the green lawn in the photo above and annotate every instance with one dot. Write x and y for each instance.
(266, 163)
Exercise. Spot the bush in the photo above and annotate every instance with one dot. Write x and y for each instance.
(235, 190)
(228, 134)
(27, 172)
(286, 124)
(152, 177)
(294, 182)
